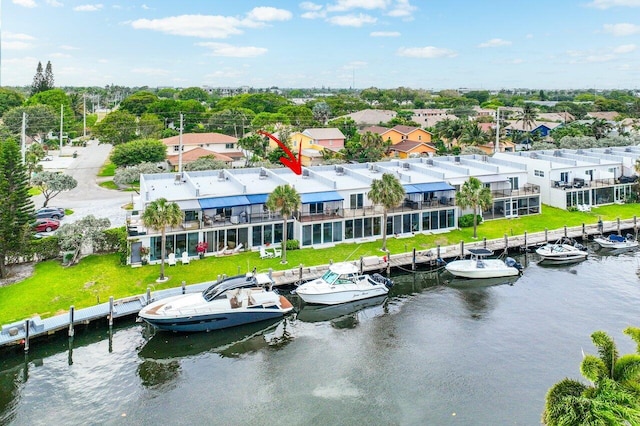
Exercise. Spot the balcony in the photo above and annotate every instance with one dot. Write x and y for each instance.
(527, 189)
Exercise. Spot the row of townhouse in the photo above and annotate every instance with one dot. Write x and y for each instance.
(227, 208)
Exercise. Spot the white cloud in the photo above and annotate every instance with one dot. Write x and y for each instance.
(625, 48)
(620, 30)
(600, 58)
(67, 47)
(150, 71)
(495, 42)
(145, 7)
(517, 61)
(103, 61)
(54, 3)
(16, 45)
(307, 5)
(16, 36)
(228, 50)
(314, 15)
(344, 5)
(25, 3)
(355, 65)
(606, 4)
(204, 26)
(529, 36)
(428, 52)
(352, 20)
(385, 34)
(88, 7)
(267, 14)
(402, 8)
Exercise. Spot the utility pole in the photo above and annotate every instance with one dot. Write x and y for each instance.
(23, 137)
(84, 115)
(497, 146)
(180, 146)
(61, 118)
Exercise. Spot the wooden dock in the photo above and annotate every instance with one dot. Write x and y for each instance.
(22, 332)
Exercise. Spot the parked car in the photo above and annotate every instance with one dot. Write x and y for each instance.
(48, 158)
(46, 225)
(628, 179)
(50, 213)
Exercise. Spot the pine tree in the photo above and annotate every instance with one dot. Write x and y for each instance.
(16, 207)
(48, 76)
(38, 80)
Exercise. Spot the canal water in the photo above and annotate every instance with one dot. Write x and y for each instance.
(437, 351)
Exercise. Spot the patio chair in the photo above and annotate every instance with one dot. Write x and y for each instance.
(264, 254)
(221, 251)
(185, 258)
(238, 248)
(277, 251)
(171, 259)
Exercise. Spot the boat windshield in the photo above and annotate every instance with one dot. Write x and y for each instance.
(217, 289)
(330, 277)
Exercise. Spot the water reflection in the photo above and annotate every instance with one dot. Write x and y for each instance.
(345, 315)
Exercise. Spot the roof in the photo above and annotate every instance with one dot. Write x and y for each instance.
(200, 139)
(562, 117)
(519, 125)
(404, 129)
(604, 115)
(408, 145)
(371, 116)
(324, 133)
(374, 129)
(194, 154)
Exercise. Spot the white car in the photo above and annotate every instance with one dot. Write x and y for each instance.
(48, 158)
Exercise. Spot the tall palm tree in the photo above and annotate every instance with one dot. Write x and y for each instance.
(284, 199)
(472, 134)
(158, 215)
(528, 118)
(613, 397)
(600, 127)
(389, 193)
(474, 194)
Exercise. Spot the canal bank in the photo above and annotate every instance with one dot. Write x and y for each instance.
(23, 332)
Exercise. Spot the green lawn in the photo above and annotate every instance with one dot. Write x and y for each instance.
(53, 288)
(108, 184)
(109, 169)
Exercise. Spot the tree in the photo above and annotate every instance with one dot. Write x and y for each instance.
(284, 199)
(158, 215)
(254, 146)
(52, 184)
(150, 125)
(321, 112)
(367, 147)
(195, 93)
(138, 103)
(116, 128)
(387, 192)
(138, 151)
(16, 207)
(131, 175)
(35, 153)
(9, 99)
(475, 195)
(613, 397)
(87, 231)
(54, 98)
(40, 120)
(528, 118)
(39, 83)
(600, 127)
(472, 134)
(48, 76)
(234, 122)
(207, 162)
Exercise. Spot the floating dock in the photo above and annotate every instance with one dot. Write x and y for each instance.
(22, 332)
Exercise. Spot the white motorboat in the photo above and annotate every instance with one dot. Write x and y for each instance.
(225, 304)
(562, 251)
(343, 283)
(615, 241)
(479, 266)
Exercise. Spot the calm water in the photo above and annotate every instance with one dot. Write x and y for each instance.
(433, 353)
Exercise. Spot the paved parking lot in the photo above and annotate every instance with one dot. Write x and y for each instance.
(87, 198)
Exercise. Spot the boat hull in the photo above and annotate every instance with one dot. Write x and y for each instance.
(493, 268)
(605, 243)
(561, 253)
(345, 295)
(217, 321)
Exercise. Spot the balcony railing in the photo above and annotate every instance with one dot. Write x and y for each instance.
(527, 189)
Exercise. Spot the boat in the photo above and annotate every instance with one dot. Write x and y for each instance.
(475, 283)
(615, 241)
(343, 283)
(479, 266)
(565, 250)
(226, 304)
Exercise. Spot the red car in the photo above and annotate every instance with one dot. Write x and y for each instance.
(45, 225)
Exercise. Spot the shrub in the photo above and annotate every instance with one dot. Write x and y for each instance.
(115, 241)
(43, 249)
(293, 244)
(466, 221)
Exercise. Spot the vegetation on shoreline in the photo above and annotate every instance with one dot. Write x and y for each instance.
(53, 288)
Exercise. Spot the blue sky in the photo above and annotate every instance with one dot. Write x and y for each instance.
(480, 44)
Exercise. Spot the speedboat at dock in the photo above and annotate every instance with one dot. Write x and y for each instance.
(479, 266)
(343, 283)
(615, 241)
(564, 250)
(225, 304)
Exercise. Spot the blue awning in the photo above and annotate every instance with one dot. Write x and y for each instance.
(221, 202)
(257, 198)
(410, 189)
(321, 197)
(433, 186)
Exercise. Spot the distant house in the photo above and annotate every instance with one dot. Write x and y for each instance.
(193, 155)
(214, 142)
(604, 115)
(431, 116)
(559, 117)
(368, 117)
(311, 142)
(541, 128)
(401, 133)
(407, 149)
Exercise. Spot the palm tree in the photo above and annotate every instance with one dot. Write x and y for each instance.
(389, 193)
(613, 398)
(284, 199)
(158, 215)
(474, 194)
(528, 117)
(600, 127)
(472, 134)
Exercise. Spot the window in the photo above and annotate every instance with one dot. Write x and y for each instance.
(538, 173)
(357, 201)
(514, 183)
(316, 208)
(176, 148)
(564, 176)
(229, 145)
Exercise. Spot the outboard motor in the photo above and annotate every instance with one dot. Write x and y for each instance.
(510, 261)
(382, 280)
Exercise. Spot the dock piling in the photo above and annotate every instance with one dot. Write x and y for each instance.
(26, 335)
(413, 261)
(110, 311)
(618, 220)
(546, 235)
(565, 230)
(525, 240)
(361, 265)
(484, 242)
(388, 263)
(300, 274)
(184, 287)
(148, 296)
(506, 243)
(71, 313)
(461, 249)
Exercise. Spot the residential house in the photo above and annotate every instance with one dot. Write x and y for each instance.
(410, 149)
(193, 154)
(401, 133)
(369, 117)
(311, 142)
(431, 116)
(207, 142)
(543, 129)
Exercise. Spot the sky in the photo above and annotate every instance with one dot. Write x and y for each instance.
(421, 44)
